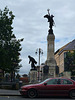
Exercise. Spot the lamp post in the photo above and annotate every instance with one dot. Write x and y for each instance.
(39, 51)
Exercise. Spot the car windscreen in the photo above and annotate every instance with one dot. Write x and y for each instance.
(44, 81)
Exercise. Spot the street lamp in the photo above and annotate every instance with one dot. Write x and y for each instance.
(39, 51)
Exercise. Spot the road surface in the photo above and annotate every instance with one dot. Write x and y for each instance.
(39, 98)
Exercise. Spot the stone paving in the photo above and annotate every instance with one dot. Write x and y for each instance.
(4, 92)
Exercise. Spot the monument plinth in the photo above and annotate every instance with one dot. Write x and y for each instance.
(33, 76)
(51, 62)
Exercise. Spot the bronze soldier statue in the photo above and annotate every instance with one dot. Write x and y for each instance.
(33, 62)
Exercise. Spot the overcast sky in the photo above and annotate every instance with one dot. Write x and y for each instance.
(30, 24)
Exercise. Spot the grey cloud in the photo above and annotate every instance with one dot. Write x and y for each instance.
(30, 25)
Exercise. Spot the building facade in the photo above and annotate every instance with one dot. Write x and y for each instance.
(60, 55)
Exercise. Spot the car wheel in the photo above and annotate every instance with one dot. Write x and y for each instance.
(72, 94)
(32, 93)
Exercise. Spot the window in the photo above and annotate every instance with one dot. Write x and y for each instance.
(53, 81)
(65, 81)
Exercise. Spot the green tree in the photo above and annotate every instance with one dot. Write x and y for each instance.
(10, 47)
(70, 62)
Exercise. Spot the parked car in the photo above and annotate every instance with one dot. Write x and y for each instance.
(50, 87)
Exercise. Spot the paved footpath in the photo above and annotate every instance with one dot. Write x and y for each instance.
(4, 92)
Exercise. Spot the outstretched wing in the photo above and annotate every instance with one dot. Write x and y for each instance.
(48, 17)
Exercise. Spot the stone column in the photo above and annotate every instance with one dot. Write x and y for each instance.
(50, 46)
(51, 62)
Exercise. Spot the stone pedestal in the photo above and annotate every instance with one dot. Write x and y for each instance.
(33, 76)
(67, 74)
(51, 62)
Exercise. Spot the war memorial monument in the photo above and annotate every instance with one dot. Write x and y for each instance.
(50, 62)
